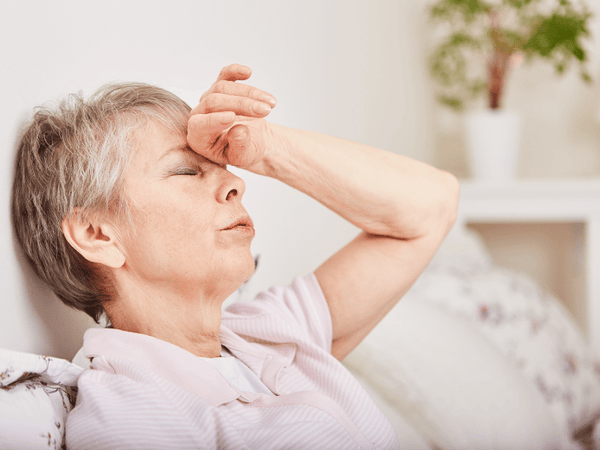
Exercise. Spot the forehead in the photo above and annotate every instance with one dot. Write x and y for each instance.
(153, 142)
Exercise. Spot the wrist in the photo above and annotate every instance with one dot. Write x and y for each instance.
(277, 150)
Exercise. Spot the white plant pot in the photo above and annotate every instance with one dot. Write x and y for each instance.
(493, 139)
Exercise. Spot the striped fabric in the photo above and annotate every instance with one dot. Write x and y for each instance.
(144, 393)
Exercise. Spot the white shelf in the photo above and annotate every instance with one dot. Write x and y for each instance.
(548, 201)
(520, 201)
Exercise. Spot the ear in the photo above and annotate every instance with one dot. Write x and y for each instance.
(95, 239)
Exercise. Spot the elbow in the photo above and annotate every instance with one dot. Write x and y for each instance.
(442, 210)
(431, 212)
(451, 197)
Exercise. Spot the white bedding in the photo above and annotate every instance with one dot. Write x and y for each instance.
(452, 385)
(529, 333)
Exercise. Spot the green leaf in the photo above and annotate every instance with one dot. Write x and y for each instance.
(579, 53)
(454, 103)
(476, 87)
(449, 63)
(555, 32)
(586, 77)
(465, 10)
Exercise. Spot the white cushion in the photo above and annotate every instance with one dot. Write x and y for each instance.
(462, 252)
(531, 327)
(408, 437)
(451, 384)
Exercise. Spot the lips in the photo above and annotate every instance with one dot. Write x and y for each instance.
(245, 221)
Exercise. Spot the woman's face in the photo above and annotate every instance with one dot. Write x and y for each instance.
(192, 233)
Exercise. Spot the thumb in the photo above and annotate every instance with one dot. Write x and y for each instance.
(239, 151)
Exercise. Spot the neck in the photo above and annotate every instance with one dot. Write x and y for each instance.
(190, 320)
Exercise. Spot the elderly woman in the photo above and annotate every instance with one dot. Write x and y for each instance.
(123, 204)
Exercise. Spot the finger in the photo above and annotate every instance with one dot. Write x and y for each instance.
(242, 90)
(240, 105)
(239, 150)
(234, 72)
(204, 131)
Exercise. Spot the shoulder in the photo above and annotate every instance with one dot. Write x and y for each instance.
(114, 410)
(140, 390)
(298, 311)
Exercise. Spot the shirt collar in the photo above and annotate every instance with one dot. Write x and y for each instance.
(267, 363)
(185, 369)
(160, 358)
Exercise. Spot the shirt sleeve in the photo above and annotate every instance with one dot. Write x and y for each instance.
(300, 309)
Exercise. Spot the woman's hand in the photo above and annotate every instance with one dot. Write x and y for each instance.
(227, 126)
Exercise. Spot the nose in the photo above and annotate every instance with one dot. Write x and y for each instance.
(231, 188)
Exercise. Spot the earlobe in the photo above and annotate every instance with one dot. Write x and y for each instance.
(94, 239)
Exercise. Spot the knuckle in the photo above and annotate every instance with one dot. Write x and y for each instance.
(243, 104)
(220, 86)
(206, 94)
(211, 102)
(247, 90)
(200, 109)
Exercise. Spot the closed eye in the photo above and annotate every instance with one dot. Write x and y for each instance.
(186, 171)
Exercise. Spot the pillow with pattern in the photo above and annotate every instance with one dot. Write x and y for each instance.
(36, 394)
(527, 324)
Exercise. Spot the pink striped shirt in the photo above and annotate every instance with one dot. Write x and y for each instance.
(144, 393)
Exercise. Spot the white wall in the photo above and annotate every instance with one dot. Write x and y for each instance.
(349, 68)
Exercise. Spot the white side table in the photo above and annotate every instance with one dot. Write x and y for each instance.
(544, 201)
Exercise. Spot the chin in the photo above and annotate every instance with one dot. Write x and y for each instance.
(251, 268)
(242, 271)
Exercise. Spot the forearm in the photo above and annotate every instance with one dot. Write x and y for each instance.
(380, 192)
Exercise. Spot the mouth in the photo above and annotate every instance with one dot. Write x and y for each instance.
(242, 222)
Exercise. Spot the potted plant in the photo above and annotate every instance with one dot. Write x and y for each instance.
(481, 42)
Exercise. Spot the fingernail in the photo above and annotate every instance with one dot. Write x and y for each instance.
(261, 108)
(271, 101)
(244, 70)
(242, 136)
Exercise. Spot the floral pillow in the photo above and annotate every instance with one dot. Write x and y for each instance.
(36, 394)
(528, 325)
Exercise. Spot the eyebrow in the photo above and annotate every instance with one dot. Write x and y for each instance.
(179, 148)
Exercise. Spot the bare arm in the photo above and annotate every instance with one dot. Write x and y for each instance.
(404, 207)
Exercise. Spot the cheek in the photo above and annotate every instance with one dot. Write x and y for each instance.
(169, 236)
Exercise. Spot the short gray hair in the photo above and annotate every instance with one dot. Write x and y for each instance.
(75, 156)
